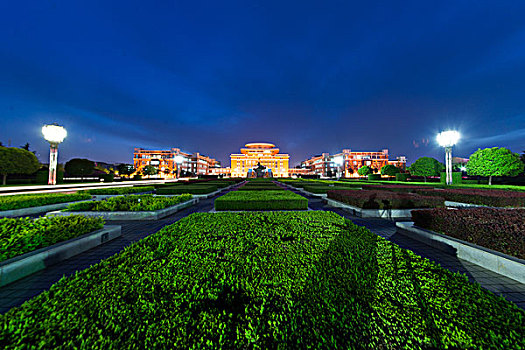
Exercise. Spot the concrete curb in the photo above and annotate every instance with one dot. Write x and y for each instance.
(492, 260)
(24, 265)
(318, 195)
(37, 210)
(129, 215)
(389, 214)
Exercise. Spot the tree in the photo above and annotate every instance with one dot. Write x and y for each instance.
(390, 170)
(149, 170)
(125, 169)
(426, 166)
(79, 167)
(365, 170)
(16, 161)
(495, 161)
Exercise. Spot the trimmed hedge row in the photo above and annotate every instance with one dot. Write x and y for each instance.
(394, 188)
(265, 281)
(498, 229)
(325, 189)
(121, 190)
(36, 200)
(192, 189)
(23, 235)
(261, 200)
(385, 200)
(493, 198)
(146, 202)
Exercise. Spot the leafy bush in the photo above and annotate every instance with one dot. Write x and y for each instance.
(192, 189)
(456, 177)
(402, 176)
(261, 200)
(385, 200)
(493, 198)
(22, 235)
(146, 202)
(365, 170)
(498, 229)
(120, 190)
(372, 177)
(390, 170)
(36, 200)
(265, 281)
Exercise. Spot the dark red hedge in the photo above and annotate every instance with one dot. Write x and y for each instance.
(502, 230)
(395, 188)
(384, 199)
(492, 198)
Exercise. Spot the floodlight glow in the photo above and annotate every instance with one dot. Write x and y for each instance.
(339, 160)
(179, 159)
(463, 168)
(448, 138)
(54, 133)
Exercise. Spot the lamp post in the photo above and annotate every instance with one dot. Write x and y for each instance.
(54, 134)
(448, 139)
(339, 161)
(179, 159)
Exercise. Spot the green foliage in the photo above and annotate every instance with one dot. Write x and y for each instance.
(265, 281)
(365, 170)
(16, 161)
(426, 166)
(496, 161)
(121, 190)
(324, 188)
(372, 177)
(79, 167)
(36, 200)
(125, 169)
(261, 200)
(193, 189)
(390, 170)
(149, 170)
(146, 202)
(22, 235)
(402, 177)
(108, 177)
(456, 177)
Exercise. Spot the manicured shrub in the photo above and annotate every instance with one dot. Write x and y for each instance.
(498, 229)
(259, 186)
(261, 200)
(324, 189)
(385, 199)
(456, 177)
(402, 176)
(265, 281)
(146, 202)
(493, 198)
(108, 177)
(393, 188)
(121, 190)
(36, 200)
(23, 235)
(192, 189)
(373, 177)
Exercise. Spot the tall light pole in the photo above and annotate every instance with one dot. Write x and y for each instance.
(54, 134)
(339, 161)
(448, 139)
(179, 159)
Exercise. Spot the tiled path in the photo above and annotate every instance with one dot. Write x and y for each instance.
(16, 293)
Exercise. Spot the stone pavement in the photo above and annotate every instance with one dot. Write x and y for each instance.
(16, 293)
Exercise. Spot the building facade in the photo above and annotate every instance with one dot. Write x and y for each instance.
(264, 153)
(193, 164)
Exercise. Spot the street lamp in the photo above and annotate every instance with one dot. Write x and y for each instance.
(54, 134)
(448, 139)
(339, 161)
(179, 159)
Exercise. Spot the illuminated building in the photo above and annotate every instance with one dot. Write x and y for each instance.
(164, 160)
(264, 153)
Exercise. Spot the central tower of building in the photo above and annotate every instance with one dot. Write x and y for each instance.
(259, 152)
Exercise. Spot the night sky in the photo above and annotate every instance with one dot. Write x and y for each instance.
(314, 77)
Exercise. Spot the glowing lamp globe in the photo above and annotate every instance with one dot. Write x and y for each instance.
(54, 133)
(179, 159)
(448, 138)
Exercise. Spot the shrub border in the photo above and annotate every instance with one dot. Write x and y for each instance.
(37, 210)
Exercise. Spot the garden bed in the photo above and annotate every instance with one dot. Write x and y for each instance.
(261, 200)
(492, 198)
(265, 280)
(141, 207)
(29, 204)
(121, 190)
(191, 189)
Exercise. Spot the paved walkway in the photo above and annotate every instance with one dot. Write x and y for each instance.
(16, 293)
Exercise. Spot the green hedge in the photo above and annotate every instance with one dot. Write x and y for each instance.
(374, 177)
(121, 190)
(456, 177)
(261, 187)
(36, 200)
(402, 177)
(146, 202)
(265, 281)
(324, 189)
(23, 235)
(261, 200)
(192, 189)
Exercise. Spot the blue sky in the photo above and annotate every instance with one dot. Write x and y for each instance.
(310, 77)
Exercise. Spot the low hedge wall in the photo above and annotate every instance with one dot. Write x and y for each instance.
(385, 200)
(265, 280)
(394, 188)
(23, 235)
(261, 200)
(261, 187)
(323, 189)
(146, 202)
(192, 189)
(493, 198)
(121, 190)
(36, 200)
(498, 229)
